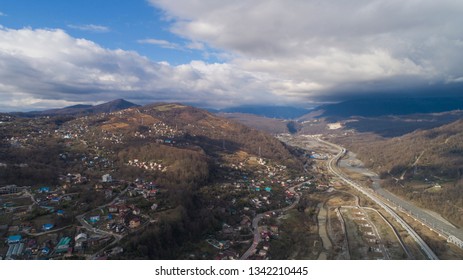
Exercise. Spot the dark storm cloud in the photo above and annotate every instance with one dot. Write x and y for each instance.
(273, 51)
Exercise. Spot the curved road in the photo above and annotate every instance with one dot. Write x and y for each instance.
(256, 220)
(333, 168)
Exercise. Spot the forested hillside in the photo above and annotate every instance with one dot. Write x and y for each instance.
(424, 166)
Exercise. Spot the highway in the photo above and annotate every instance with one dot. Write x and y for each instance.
(430, 220)
(333, 168)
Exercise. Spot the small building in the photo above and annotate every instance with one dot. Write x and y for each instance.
(13, 229)
(274, 229)
(45, 250)
(63, 245)
(94, 219)
(134, 222)
(46, 227)
(80, 241)
(262, 253)
(10, 189)
(81, 237)
(113, 209)
(136, 211)
(14, 239)
(150, 193)
(44, 190)
(15, 250)
(107, 178)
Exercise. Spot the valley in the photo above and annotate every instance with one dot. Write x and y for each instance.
(389, 208)
(170, 181)
(154, 182)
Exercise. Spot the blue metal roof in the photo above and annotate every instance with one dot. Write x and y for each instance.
(14, 238)
(47, 226)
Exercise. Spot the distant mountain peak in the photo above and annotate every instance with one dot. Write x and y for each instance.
(80, 109)
(115, 105)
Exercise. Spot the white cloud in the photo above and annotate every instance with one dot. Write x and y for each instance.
(2, 14)
(90, 27)
(328, 43)
(40, 67)
(162, 43)
(274, 52)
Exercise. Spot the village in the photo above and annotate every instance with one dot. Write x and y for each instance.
(61, 222)
(92, 205)
(44, 224)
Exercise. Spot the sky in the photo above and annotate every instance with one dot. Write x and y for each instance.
(217, 53)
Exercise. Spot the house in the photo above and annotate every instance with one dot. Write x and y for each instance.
(13, 229)
(81, 237)
(45, 250)
(274, 229)
(113, 209)
(262, 253)
(46, 227)
(15, 250)
(94, 219)
(44, 190)
(136, 211)
(14, 239)
(134, 222)
(106, 178)
(150, 193)
(133, 193)
(123, 209)
(80, 241)
(63, 245)
(265, 235)
(60, 212)
(10, 189)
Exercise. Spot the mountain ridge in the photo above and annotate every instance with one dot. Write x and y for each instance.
(375, 107)
(81, 109)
